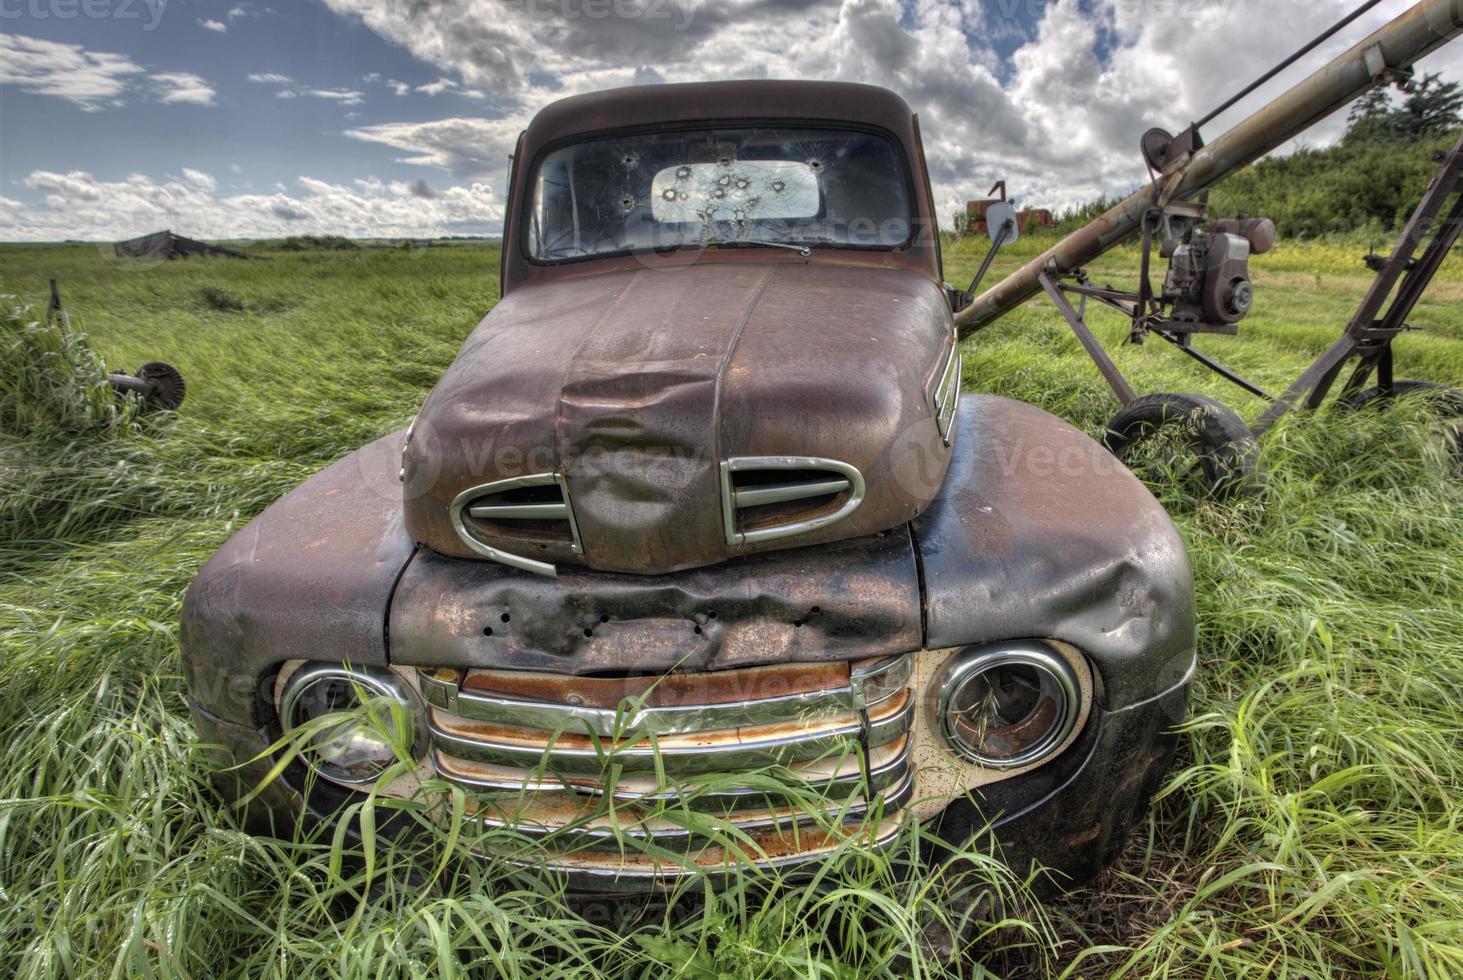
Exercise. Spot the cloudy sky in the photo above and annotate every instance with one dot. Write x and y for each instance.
(395, 117)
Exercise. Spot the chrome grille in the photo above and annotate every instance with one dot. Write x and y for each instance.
(534, 510)
(550, 765)
(764, 498)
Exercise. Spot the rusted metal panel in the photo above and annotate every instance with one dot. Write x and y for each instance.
(636, 385)
(1039, 531)
(1421, 30)
(312, 573)
(841, 601)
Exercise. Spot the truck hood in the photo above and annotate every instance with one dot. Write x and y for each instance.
(627, 390)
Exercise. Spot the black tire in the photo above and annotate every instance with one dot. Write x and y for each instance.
(1224, 462)
(1448, 403)
(167, 387)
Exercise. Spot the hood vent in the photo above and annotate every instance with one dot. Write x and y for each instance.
(764, 498)
(945, 395)
(532, 509)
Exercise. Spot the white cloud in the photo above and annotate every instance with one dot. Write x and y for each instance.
(289, 90)
(216, 26)
(474, 149)
(91, 80)
(343, 96)
(236, 12)
(78, 205)
(182, 86)
(1060, 120)
(438, 87)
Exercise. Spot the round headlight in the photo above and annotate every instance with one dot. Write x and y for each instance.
(375, 715)
(1008, 705)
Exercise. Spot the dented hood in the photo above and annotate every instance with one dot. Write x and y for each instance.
(630, 387)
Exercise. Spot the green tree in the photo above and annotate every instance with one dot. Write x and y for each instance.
(1432, 106)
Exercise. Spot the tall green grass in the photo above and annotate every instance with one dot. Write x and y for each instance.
(1311, 828)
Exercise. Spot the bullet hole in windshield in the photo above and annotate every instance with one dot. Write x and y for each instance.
(815, 165)
(627, 204)
(487, 631)
(779, 186)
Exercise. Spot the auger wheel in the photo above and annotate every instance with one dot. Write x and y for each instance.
(1192, 441)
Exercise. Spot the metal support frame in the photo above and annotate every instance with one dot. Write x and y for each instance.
(1091, 344)
(1367, 336)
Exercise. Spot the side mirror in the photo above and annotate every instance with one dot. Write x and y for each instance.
(1002, 217)
(1001, 226)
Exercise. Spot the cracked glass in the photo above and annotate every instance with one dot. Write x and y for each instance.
(723, 188)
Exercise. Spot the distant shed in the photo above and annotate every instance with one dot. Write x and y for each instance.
(1026, 220)
(166, 245)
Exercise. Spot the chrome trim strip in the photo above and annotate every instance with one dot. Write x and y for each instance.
(681, 838)
(747, 750)
(463, 499)
(589, 877)
(728, 495)
(946, 395)
(783, 492)
(631, 719)
(846, 781)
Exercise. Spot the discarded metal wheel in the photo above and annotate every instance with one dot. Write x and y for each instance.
(1191, 440)
(164, 388)
(1446, 402)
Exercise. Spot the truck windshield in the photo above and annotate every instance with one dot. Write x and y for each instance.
(719, 187)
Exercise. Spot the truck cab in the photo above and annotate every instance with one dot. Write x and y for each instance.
(700, 503)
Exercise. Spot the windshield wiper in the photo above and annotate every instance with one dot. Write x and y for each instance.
(803, 250)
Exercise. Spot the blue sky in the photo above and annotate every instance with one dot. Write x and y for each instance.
(394, 117)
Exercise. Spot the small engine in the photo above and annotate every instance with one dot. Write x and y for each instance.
(1208, 279)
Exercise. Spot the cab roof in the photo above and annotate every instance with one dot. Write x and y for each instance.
(643, 105)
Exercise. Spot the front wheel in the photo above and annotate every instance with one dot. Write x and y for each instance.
(1191, 441)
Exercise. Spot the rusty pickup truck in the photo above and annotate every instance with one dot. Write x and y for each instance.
(701, 504)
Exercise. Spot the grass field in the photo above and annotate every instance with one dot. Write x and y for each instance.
(1312, 827)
